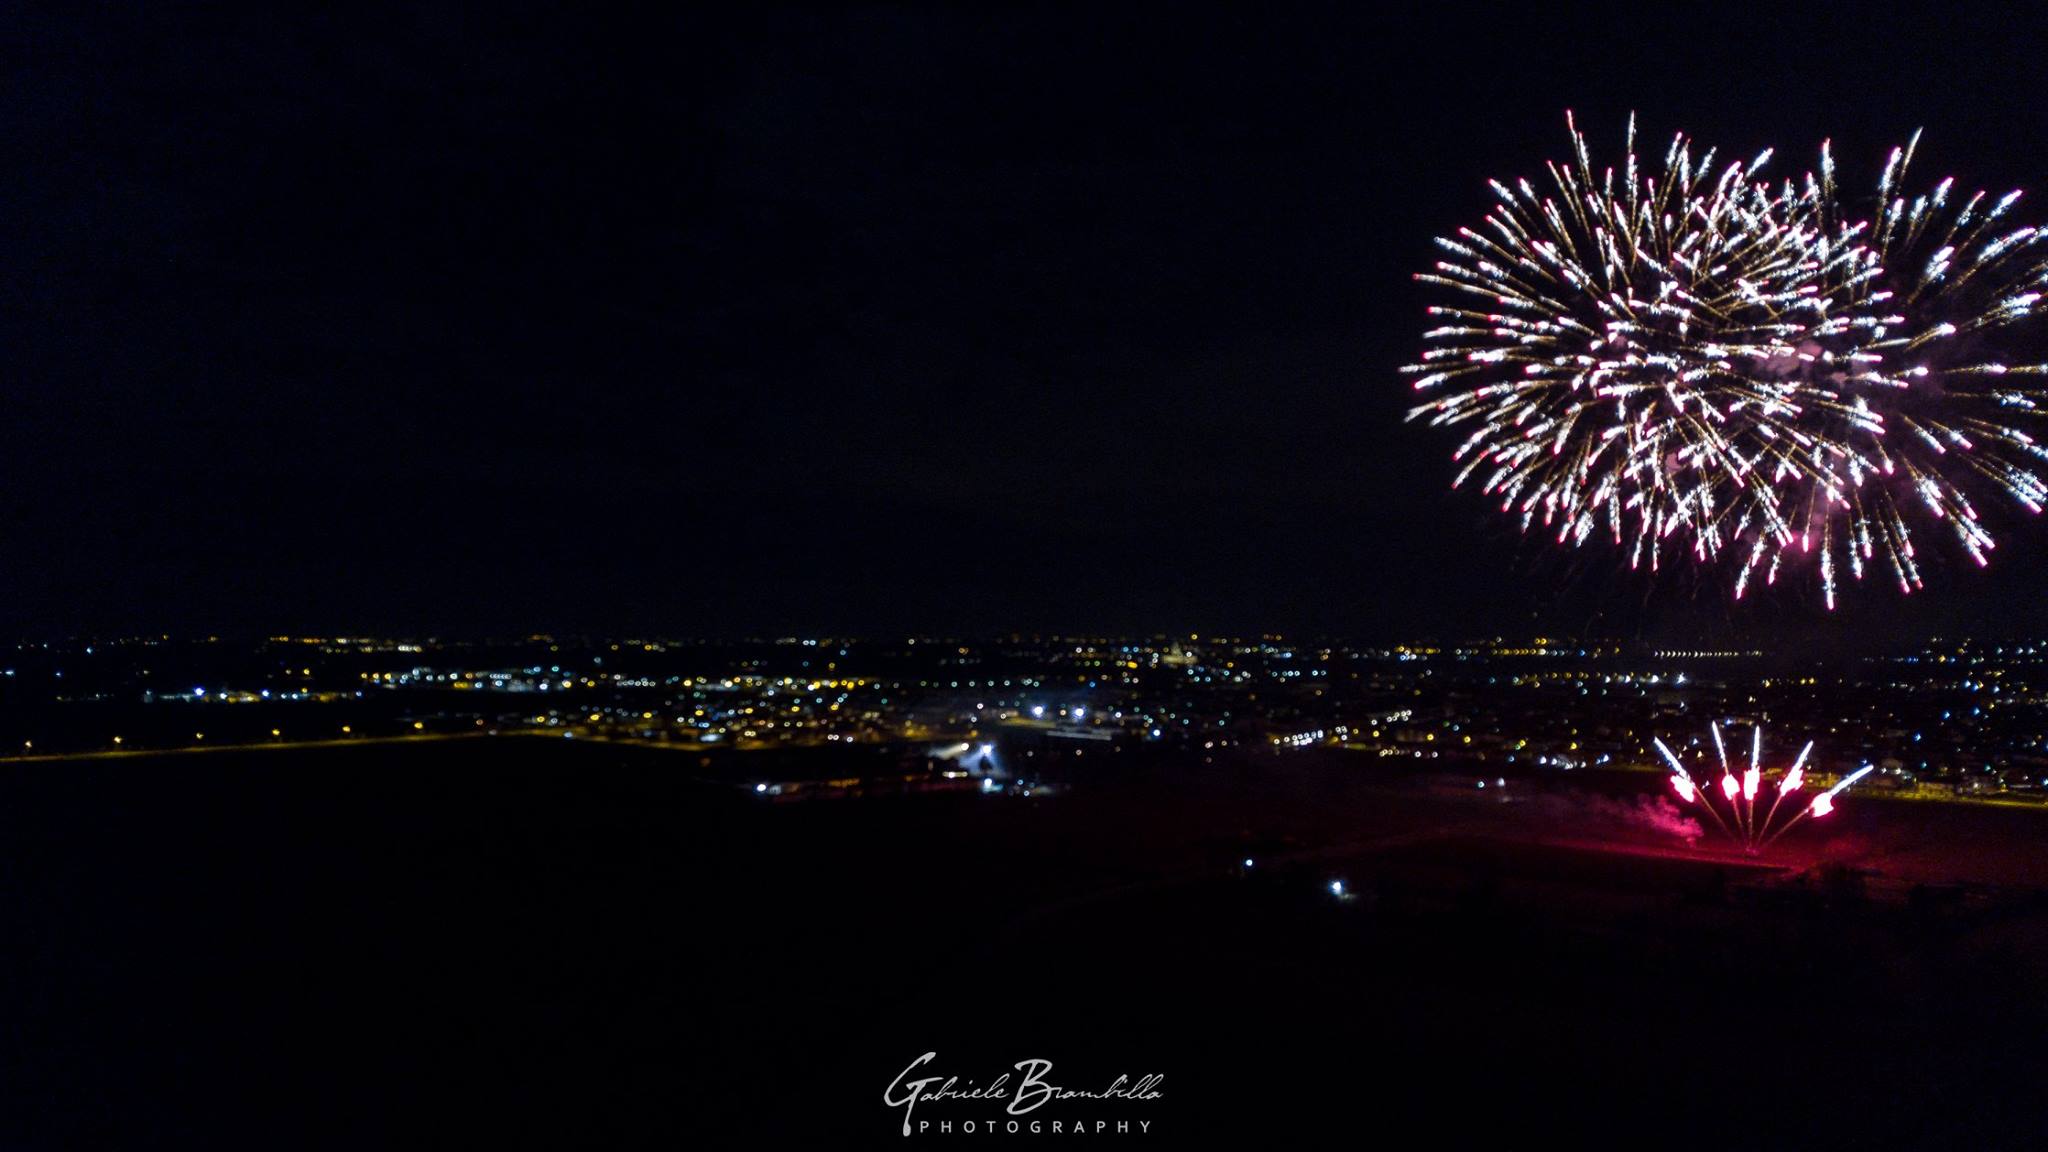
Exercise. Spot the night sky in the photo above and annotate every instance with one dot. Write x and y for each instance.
(867, 319)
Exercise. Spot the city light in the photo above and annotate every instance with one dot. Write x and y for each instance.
(1936, 721)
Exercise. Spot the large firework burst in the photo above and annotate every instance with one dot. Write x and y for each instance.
(1697, 360)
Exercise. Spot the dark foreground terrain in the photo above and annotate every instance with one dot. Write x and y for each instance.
(495, 943)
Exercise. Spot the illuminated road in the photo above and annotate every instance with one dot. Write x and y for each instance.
(266, 746)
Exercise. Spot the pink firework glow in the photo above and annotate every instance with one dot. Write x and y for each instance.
(1740, 822)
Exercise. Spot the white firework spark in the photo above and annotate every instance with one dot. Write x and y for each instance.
(1741, 824)
(1697, 360)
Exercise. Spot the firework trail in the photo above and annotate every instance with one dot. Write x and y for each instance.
(1822, 804)
(1692, 359)
(1788, 783)
(1687, 787)
(1753, 835)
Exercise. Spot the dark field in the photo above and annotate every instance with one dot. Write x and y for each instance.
(491, 943)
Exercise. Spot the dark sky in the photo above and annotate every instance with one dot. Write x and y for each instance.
(858, 319)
